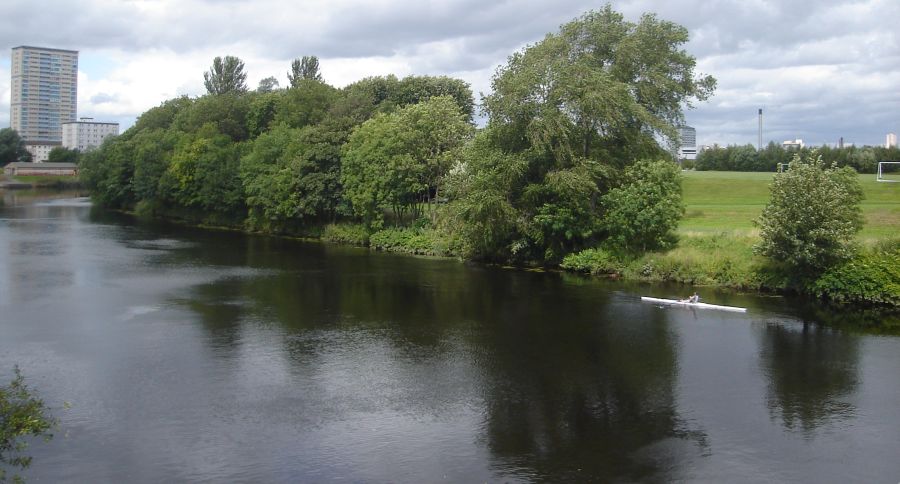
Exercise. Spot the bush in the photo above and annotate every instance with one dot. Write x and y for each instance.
(593, 261)
(812, 216)
(872, 277)
(644, 212)
(351, 234)
(22, 417)
(411, 241)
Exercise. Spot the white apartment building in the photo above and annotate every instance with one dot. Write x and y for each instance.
(85, 134)
(796, 143)
(890, 140)
(44, 95)
(687, 149)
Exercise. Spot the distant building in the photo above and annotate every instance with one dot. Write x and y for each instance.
(44, 95)
(797, 143)
(17, 168)
(687, 150)
(890, 140)
(85, 133)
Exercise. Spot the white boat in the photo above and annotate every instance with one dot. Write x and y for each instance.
(675, 302)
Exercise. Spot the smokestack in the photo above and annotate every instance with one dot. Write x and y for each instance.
(759, 143)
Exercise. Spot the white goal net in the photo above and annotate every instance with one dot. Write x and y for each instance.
(888, 171)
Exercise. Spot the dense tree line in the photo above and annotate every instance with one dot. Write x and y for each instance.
(572, 155)
(747, 158)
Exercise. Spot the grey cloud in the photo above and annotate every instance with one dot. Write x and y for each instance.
(748, 46)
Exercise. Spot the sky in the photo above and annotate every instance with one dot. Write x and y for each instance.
(820, 69)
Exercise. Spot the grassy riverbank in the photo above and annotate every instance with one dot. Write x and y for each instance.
(725, 201)
(717, 237)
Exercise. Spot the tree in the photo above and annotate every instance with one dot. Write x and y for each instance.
(22, 414)
(261, 112)
(226, 76)
(482, 188)
(306, 67)
(395, 161)
(812, 216)
(228, 112)
(291, 175)
(579, 107)
(601, 87)
(306, 103)
(268, 84)
(12, 147)
(160, 117)
(62, 155)
(203, 174)
(643, 213)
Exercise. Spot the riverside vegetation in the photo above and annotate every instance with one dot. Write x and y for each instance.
(572, 168)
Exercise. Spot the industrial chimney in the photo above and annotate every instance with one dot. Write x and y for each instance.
(759, 143)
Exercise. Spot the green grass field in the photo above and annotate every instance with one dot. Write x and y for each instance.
(721, 201)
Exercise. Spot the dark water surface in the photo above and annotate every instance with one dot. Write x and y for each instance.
(191, 355)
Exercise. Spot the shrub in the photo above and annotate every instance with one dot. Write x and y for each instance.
(812, 216)
(644, 212)
(593, 261)
(410, 241)
(872, 277)
(351, 234)
(22, 417)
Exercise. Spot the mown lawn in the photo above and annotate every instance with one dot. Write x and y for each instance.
(721, 201)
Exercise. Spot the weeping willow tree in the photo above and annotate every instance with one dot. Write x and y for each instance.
(566, 116)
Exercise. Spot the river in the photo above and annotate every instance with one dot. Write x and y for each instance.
(171, 354)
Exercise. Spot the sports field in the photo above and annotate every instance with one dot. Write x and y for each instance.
(725, 201)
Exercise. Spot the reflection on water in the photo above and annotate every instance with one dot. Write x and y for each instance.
(812, 371)
(200, 355)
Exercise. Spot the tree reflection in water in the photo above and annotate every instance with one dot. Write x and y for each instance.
(811, 371)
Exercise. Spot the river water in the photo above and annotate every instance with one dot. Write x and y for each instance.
(174, 355)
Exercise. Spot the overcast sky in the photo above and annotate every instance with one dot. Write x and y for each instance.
(820, 69)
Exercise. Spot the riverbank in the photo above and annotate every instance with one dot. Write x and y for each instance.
(721, 260)
(715, 247)
(32, 182)
(717, 235)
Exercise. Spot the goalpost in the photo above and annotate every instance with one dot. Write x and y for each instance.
(888, 171)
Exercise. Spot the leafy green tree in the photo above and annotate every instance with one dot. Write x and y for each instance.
(308, 102)
(12, 147)
(268, 84)
(395, 161)
(579, 107)
(292, 175)
(361, 99)
(378, 173)
(160, 117)
(152, 154)
(304, 68)
(108, 172)
(416, 89)
(601, 87)
(22, 415)
(226, 76)
(203, 173)
(226, 112)
(62, 155)
(812, 216)
(261, 112)
(643, 213)
(482, 189)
